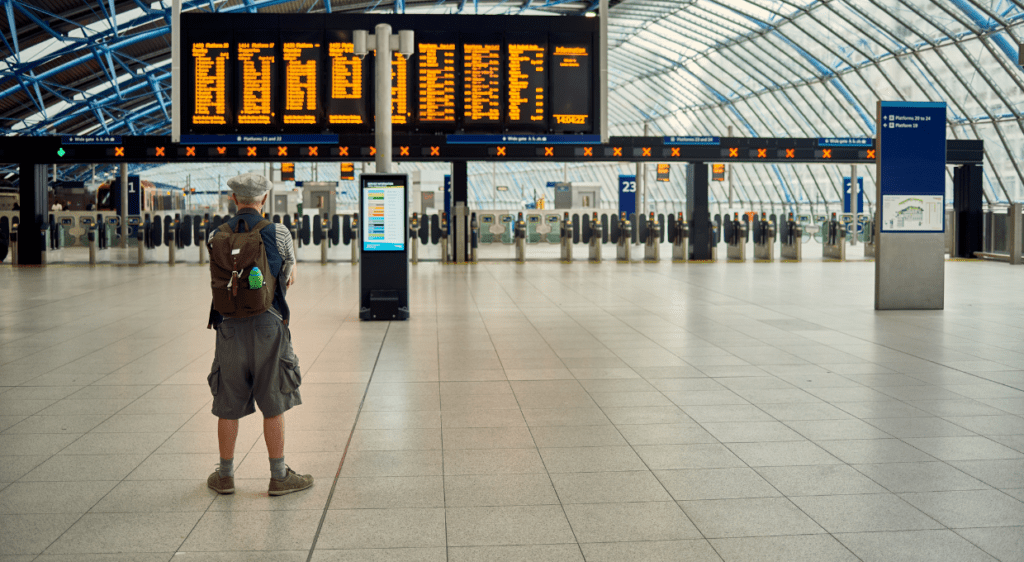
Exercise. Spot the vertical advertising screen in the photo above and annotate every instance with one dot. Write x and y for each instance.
(384, 209)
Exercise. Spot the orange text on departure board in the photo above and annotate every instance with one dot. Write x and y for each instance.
(399, 89)
(211, 60)
(346, 79)
(528, 58)
(570, 54)
(257, 60)
(482, 82)
(300, 82)
(436, 82)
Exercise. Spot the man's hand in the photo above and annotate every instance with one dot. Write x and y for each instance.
(291, 277)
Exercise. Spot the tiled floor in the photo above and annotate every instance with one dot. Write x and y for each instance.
(737, 412)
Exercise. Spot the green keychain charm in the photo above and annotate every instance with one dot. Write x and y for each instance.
(255, 278)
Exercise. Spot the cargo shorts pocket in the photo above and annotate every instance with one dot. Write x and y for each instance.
(213, 379)
(291, 377)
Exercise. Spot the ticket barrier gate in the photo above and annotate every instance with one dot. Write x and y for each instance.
(596, 238)
(566, 239)
(414, 239)
(201, 238)
(14, 243)
(870, 235)
(622, 249)
(790, 242)
(680, 238)
(652, 246)
(474, 237)
(833, 242)
(764, 239)
(91, 233)
(444, 238)
(736, 234)
(354, 238)
(520, 236)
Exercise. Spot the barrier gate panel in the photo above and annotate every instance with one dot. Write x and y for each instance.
(555, 223)
(508, 235)
(614, 231)
(670, 226)
(661, 221)
(424, 232)
(533, 235)
(435, 229)
(585, 230)
(604, 229)
(486, 223)
(576, 230)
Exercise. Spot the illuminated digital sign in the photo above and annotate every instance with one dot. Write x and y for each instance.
(527, 84)
(718, 172)
(664, 171)
(301, 60)
(257, 71)
(571, 76)
(346, 99)
(481, 83)
(210, 72)
(347, 171)
(299, 73)
(436, 63)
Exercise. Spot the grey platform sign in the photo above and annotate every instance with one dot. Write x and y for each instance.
(911, 188)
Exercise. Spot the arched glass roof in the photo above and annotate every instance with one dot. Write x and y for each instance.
(768, 68)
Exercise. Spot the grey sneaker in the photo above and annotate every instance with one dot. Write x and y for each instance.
(221, 484)
(292, 483)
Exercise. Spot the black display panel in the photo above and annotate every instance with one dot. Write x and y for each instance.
(471, 74)
(436, 78)
(256, 78)
(482, 85)
(527, 93)
(572, 61)
(301, 56)
(347, 95)
(210, 84)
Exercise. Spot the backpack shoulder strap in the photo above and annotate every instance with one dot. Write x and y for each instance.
(224, 228)
(260, 225)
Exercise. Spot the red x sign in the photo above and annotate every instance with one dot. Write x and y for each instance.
(159, 151)
(342, 151)
(373, 151)
(282, 151)
(762, 153)
(588, 151)
(675, 151)
(313, 150)
(250, 151)
(501, 151)
(646, 151)
(222, 150)
(734, 153)
(118, 151)
(790, 153)
(403, 151)
(616, 151)
(871, 154)
(435, 151)
(190, 151)
(549, 151)
(826, 153)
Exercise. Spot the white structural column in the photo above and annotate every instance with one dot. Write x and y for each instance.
(385, 43)
(176, 71)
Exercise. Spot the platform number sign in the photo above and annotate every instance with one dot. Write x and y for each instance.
(627, 195)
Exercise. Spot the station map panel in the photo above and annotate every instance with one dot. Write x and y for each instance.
(299, 73)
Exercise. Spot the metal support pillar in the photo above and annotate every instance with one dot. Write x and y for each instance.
(124, 204)
(34, 213)
(460, 189)
(854, 192)
(382, 88)
(1014, 230)
(697, 211)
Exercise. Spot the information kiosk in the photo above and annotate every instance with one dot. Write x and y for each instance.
(384, 265)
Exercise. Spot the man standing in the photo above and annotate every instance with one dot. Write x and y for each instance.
(254, 363)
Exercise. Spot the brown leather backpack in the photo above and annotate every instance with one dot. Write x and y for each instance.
(233, 255)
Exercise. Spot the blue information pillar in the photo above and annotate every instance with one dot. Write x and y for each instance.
(627, 195)
(846, 195)
(910, 252)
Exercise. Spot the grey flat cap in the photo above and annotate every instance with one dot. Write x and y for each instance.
(249, 185)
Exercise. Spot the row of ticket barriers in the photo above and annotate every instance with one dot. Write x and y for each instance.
(99, 231)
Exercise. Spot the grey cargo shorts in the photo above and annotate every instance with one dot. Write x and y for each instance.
(254, 365)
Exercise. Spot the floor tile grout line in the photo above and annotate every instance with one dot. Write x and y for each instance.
(337, 475)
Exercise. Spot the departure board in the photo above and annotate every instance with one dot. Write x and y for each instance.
(210, 84)
(347, 95)
(301, 60)
(527, 83)
(257, 76)
(268, 73)
(571, 79)
(436, 85)
(482, 84)
(401, 113)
